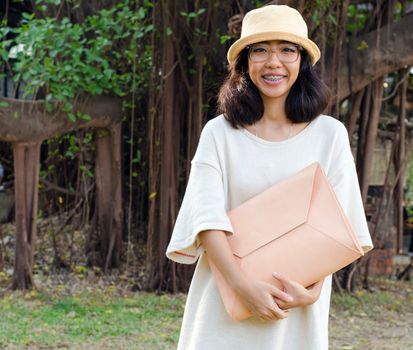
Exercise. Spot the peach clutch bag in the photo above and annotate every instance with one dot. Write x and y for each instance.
(297, 228)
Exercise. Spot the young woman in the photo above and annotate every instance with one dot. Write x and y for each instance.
(270, 129)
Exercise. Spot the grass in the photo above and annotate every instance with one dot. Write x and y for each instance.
(386, 295)
(106, 320)
(141, 321)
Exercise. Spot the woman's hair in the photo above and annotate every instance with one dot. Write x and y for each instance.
(241, 104)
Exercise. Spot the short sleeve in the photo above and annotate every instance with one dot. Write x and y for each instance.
(346, 186)
(343, 178)
(204, 204)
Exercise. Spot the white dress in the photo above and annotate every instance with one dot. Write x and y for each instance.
(229, 167)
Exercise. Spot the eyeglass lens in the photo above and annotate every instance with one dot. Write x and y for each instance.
(285, 52)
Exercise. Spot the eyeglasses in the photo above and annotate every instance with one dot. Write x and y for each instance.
(286, 52)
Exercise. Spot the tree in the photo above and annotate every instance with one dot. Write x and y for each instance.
(74, 85)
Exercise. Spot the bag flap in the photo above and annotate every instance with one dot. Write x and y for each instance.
(328, 217)
(272, 213)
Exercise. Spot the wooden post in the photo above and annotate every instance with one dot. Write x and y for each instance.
(105, 238)
(26, 180)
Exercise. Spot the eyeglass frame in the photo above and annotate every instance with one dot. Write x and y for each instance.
(249, 47)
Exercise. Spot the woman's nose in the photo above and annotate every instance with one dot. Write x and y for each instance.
(273, 60)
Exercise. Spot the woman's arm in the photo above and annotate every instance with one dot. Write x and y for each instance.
(257, 296)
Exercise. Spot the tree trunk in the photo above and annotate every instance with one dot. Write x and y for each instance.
(400, 160)
(105, 239)
(166, 195)
(355, 110)
(362, 131)
(26, 169)
(371, 135)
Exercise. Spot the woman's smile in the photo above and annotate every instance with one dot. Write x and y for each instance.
(273, 79)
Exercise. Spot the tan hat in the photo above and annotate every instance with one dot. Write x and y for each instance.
(274, 22)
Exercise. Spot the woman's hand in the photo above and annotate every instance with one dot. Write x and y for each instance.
(301, 296)
(259, 297)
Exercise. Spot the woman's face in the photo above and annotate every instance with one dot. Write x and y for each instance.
(273, 67)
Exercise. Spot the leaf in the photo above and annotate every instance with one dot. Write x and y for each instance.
(4, 104)
(168, 31)
(224, 38)
(83, 116)
(4, 55)
(71, 117)
(49, 107)
(141, 13)
(363, 45)
(28, 16)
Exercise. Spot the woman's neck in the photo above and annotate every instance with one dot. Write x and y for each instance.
(274, 111)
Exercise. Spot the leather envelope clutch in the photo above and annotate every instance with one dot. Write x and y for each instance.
(297, 228)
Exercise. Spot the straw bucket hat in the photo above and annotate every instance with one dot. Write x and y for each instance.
(274, 22)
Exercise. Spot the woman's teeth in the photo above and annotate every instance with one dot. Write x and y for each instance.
(273, 77)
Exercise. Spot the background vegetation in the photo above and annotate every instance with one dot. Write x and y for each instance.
(108, 98)
(58, 52)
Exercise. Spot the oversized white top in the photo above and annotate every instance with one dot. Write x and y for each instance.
(229, 167)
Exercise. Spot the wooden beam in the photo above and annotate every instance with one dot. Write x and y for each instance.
(372, 56)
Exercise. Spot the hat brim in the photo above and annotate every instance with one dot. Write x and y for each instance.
(307, 44)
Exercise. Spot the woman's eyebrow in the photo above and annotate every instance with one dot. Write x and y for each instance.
(279, 42)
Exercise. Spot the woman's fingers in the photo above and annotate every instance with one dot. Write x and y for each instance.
(279, 294)
(285, 281)
(269, 310)
(273, 314)
(278, 313)
(283, 305)
(316, 285)
(261, 301)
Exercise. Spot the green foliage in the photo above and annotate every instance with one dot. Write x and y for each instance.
(356, 17)
(224, 38)
(318, 9)
(192, 15)
(60, 60)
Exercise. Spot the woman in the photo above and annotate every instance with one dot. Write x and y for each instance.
(270, 129)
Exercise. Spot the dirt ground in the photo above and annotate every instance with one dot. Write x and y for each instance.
(382, 320)
(386, 331)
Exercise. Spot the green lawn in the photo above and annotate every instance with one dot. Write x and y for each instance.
(90, 320)
(106, 320)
